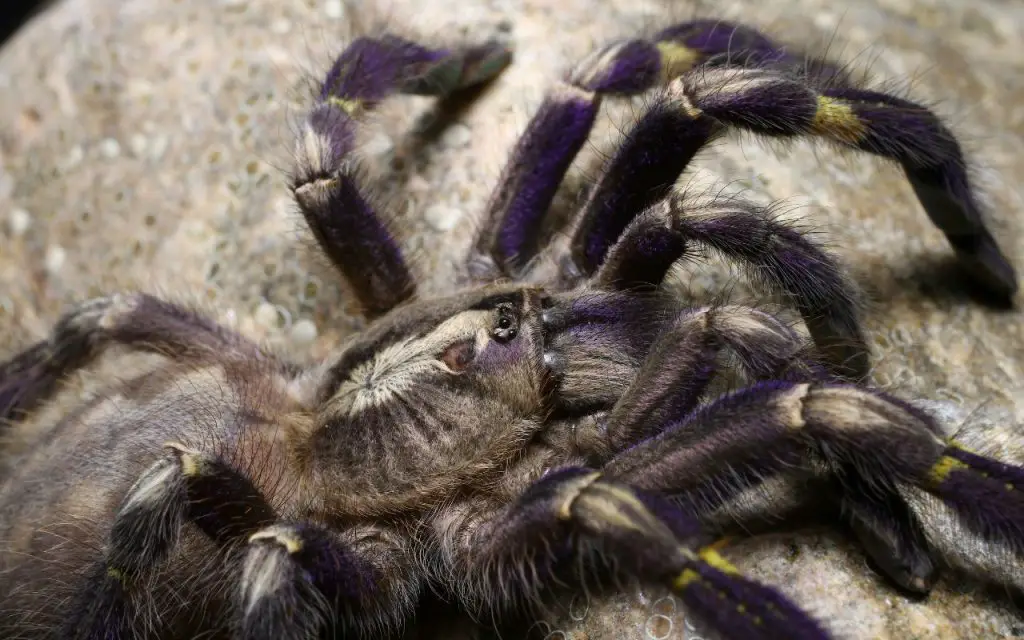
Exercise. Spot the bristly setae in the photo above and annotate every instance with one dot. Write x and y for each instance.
(555, 403)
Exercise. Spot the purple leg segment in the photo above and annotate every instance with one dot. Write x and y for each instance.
(294, 580)
(538, 163)
(372, 69)
(646, 537)
(28, 379)
(560, 127)
(641, 173)
(723, 43)
(775, 104)
(675, 375)
(298, 581)
(346, 224)
(647, 165)
(667, 137)
(890, 533)
(555, 134)
(987, 493)
(867, 444)
(184, 486)
(933, 161)
(776, 256)
(138, 321)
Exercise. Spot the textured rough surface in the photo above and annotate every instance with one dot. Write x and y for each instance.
(143, 145)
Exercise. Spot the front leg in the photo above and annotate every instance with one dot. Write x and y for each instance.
(681, 364)
(504, 558)
(733, 469)
(302, 580)
(284, 578)
(138, 321)
(779, 258)
(356, 233)
(735, 461)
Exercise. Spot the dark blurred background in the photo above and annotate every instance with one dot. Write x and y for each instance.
(14, 14)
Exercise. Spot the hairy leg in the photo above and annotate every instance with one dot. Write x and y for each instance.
(674, 378)
(728, 460)
(675, 375)
(510, 236)
(137, 321)
(777, 256)
(352, 231)
(301, 579)
(181, 486)
(700, 105)
(285, 580)
(576, 514)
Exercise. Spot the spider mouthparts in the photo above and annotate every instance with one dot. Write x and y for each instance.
(552, 319)
(554, 363)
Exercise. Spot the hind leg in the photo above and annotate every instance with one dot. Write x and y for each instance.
(137, 321)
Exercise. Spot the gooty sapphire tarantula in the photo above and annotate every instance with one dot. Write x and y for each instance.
(553, 408)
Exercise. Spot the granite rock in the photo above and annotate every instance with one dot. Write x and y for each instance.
(145, 144)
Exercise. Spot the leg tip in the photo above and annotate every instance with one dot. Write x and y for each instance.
(989, 268)
(484, 63)
(462, 70)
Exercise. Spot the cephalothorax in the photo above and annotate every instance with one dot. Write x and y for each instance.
(552, 407)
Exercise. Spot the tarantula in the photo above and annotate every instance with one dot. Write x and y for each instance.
(552, 410)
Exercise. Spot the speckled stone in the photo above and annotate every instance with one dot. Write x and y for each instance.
(145, 144)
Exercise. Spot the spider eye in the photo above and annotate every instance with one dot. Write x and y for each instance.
(507, 326)
(459, 355)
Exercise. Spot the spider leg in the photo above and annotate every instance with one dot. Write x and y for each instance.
(181, 486)
(292, 579)
(717, 43)
(557, 131)
(880, 451)
(777, 256)
(347, 226)
(700, 105)
(675, 376)
(511, 234)
(889, 530)
(575, 511)
(664, 141)
(300, 579)
(139, 321)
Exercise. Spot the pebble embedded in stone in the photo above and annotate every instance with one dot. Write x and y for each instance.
(457, 136)
(442, 217)
(159, 146)
(139, 143)
(334, 9)
(55, 258)
(19, 221)
(75, 156)
(267, 316)
(110, 148)
(418, 184)
(303, 332)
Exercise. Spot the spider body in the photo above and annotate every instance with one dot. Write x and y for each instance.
(555, 404)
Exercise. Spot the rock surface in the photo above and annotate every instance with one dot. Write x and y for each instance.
(144, 144)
